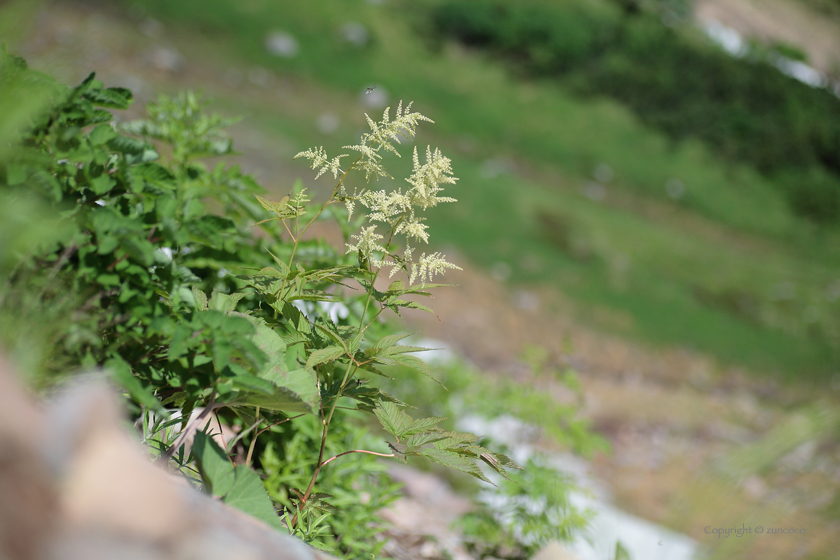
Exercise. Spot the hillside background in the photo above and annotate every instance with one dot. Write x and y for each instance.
(657, 209)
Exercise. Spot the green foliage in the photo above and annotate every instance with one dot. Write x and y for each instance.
(746, 110)
(531, 507)
(533, 510)
(531, 402)
(188, 308)
(239, 486)
(343, 516)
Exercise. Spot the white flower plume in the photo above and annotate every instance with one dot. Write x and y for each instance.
(429, 266)
(426, 179)
(318, 158)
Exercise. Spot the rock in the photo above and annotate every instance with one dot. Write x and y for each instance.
(554, 551)
(354, 33)
(75, 485)
(281, 43)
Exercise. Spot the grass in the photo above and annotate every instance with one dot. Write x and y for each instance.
(726, 269)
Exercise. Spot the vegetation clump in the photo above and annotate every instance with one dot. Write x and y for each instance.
(151, 268)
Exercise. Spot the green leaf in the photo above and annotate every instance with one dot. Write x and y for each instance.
(312, 295)
(324, 355)
(390, 340)
(284, 268)
(200, 298)
(140, 393)
(422, 425)
(409, 305)
(113, 98)
(269, 271)
(394, 420)
(155, 174)
(621, 553)
(101, 134)
(414, 363)
(273, 207)
(455, 439)
(454, 461)
(397, 286)
(294, 338)
(126, 145)
(254, 384)
(222, 349)
(293, 392)
(213, 464)
(248, 494)
(224, 302)
(425, 438)
(498, 462)
(320, 546)
(102, 184)
(281, 400)
(333, 335)
(401, 349)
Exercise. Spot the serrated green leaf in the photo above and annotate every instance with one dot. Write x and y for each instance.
(422, 425)
(248, 494)
(356, 341)
(409, 305)
(278, 208)
(224, 302)
(284, 268)
(455, 439)
(394, 420)
(101, 134)
(425, 438)
(312, 295)
(401, 349)
(270, 271)
(281, 400)
(390, 340)
(213, 464)
(200, 298)
(422, 290)
(294, 338)
(155, 174)
(397, 286)
(454, 461)
(414, 363)
(254, 384)
(113, 98)
(324, 355)
(499, 463)
(126, 145)
(370, 368)
(333, 335)
(302, 382)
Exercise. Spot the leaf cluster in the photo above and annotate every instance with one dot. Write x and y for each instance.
(423, 438)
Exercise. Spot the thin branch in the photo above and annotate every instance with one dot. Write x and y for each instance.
(253, 441)
(358, 451)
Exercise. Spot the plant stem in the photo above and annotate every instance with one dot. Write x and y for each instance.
(358, 451)
(253, 440)
(327, 203)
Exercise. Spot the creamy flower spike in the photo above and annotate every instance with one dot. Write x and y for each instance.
(396, 209)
